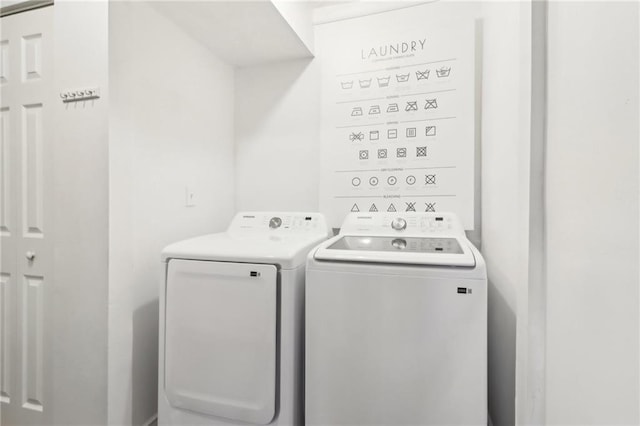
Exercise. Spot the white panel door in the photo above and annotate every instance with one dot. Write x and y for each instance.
(25, 225)
(220, 339)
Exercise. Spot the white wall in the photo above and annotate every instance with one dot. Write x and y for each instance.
(79, 352)
(171, 126)
(505, 190)
(592, 214)
(277, 128)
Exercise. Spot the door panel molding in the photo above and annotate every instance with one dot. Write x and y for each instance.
(31, 57)
(32, 307)
(6, 324)
(6, 202)
(4, 62)
(32, 171)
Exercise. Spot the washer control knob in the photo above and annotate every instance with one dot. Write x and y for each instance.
(399, 243)
(275, 222)
(399, 224)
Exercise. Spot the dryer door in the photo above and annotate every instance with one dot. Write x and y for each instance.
(220, 339)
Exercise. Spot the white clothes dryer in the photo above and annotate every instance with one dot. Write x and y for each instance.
(231, 322)
(396, 324)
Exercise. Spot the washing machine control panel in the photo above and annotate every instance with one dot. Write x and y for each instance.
(281, 223)
(406, 224)
(416, 238)
(397, 244)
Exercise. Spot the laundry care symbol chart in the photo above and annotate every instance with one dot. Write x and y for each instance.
(397, 131)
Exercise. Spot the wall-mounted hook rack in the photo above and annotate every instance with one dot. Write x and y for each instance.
(80, 95)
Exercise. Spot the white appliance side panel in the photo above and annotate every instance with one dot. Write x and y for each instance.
(220, 339)
(395, 349)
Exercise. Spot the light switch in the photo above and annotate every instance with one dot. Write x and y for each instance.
(190, 197)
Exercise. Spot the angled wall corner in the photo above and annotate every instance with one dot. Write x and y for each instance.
(261, 32)
(299, 16)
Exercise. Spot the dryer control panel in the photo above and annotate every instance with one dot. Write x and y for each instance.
(279, 223)
(405, 223)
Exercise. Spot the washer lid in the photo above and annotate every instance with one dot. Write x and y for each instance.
(279, 238)
(441, 251)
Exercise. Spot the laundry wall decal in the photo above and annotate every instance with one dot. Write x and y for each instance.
(403, 124)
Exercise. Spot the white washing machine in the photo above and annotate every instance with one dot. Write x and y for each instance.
(396, 324)
(231, 322)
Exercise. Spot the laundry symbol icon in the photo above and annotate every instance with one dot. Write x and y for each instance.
(373, 181)
(356, 137)
(393, 108)
(374, 135)
(392, 180)
(401, 152)
(346, 84)
(364, 154)
(411, 207)
(422, 75)
(430, 179)
(391, 208)
(411, 180)
(356, 111)
(383, 81)
(402, 78)
(431, 207)
(375, 109)
(355, 208)
(356, 181)
(443, 72)
(373, 208)
(392, 133)
(411, 106)
(431, 104)
(382, 153)
(421, 151)
(364, 84)
(430, 130)
(411, 132)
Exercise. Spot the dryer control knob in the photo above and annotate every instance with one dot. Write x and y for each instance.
(399, 224)
(275, 222)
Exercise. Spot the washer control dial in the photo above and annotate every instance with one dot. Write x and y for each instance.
(399, 243)
(275, 222)
(399, 224)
